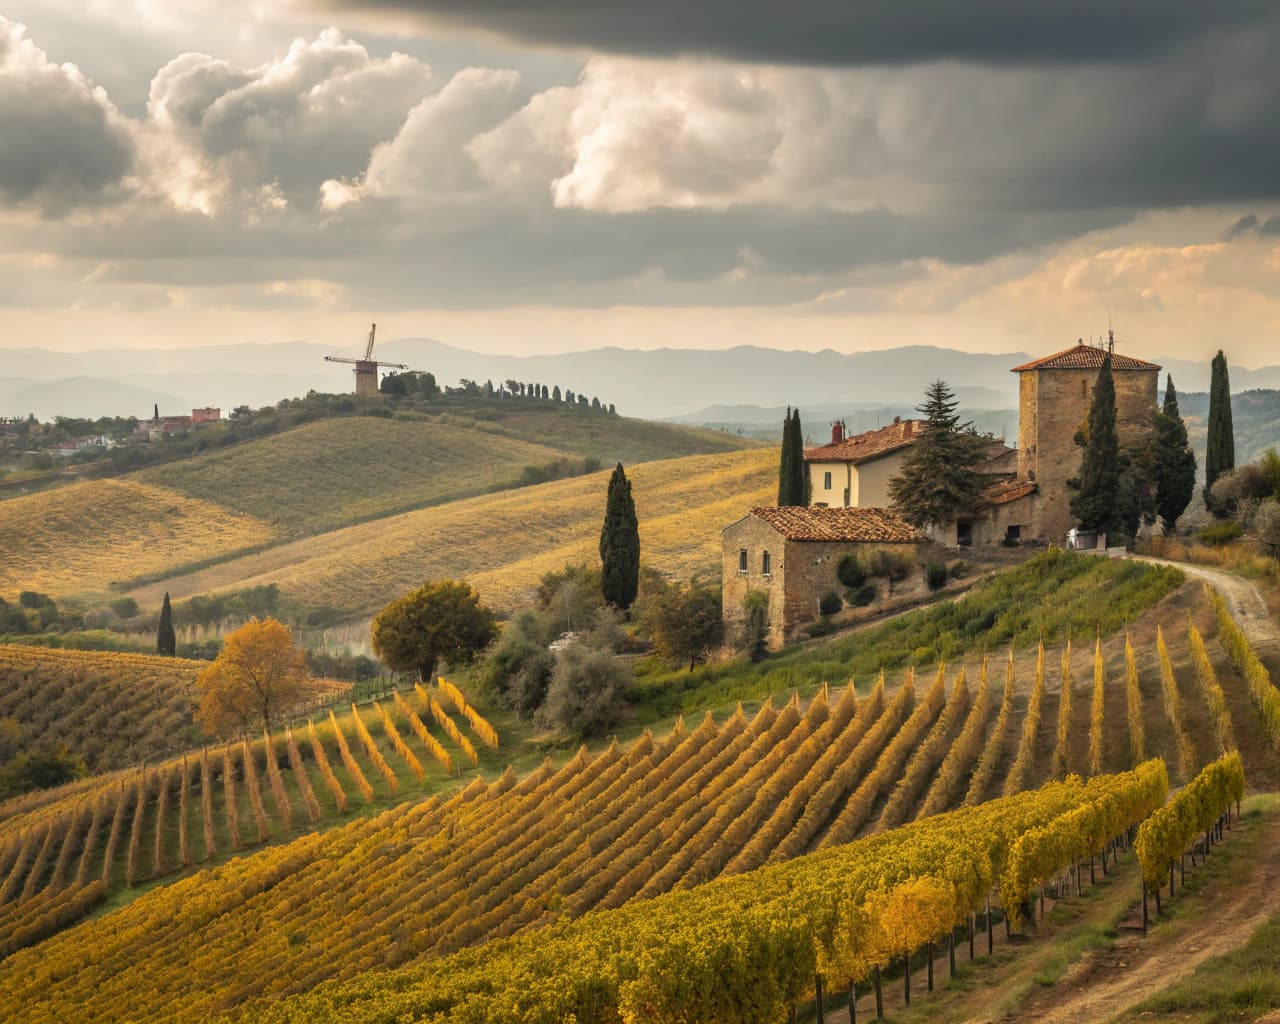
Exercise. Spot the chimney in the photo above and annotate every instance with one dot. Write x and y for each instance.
(837, 432)
(908, 428)
(897, 419)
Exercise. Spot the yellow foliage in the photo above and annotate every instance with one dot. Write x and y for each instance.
(256, 677)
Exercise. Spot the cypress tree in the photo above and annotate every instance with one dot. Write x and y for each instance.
(166, 640)
(1173, 461)
(620, 544)
(786, 474)
(1220, 451)
(799, 471)
(1098, 499)
(940, 480)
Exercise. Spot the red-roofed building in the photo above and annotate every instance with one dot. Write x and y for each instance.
(791, 554)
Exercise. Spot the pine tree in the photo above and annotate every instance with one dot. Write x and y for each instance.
(1173, 461)
(1220, 451)
(166, 640)
(786, 474)
(620, 544)
(1098, 501)
(940, 480)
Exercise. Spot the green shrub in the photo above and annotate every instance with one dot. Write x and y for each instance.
(820, 627)
(860, 597)
(1218, 534)
(829, 603)
(851, 572)
(960, 569)
(935, 575)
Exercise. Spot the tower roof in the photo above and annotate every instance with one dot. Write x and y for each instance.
(1084, 357)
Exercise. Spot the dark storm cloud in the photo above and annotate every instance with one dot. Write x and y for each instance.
(62, 143)
(842, 32)
(1250, 226)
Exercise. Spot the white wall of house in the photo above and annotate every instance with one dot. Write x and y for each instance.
(862, 486)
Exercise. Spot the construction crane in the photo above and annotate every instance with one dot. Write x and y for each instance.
(366, 369)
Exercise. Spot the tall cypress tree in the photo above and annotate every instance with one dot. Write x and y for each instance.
(166, 640)
(620, 544)
(1173, 461)
(785, 474)
(799, 470)
(940, 481)
(1220, 451)
(1098, 499)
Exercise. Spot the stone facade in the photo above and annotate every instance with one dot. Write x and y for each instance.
(800, 572)
(1053, 406)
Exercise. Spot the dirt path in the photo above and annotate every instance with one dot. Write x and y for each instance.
(1103, 986)
(1244, 599)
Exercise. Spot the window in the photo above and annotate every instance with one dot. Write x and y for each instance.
(826, 481)
(766, 564)
(964, 533)
(1012, 536)
(742, 560)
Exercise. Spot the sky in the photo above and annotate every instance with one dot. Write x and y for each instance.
(505, 176)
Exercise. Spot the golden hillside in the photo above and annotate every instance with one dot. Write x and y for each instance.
(504, 542)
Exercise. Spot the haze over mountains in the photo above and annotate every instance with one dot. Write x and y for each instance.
(738, 386)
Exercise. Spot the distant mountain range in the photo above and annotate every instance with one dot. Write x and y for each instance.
(688, 385)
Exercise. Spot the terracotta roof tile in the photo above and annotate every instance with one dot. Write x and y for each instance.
(871, 445)
(1084, 357)
(1009, 490)
(878, 525)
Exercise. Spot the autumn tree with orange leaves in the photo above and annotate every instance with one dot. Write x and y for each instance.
(258, 674)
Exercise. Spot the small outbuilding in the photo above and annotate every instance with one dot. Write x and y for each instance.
(791, 553)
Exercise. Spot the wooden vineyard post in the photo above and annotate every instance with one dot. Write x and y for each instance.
(875, 980)
(1158, 908)
(951, 952)
(817, 996)
(1042, 903)
(991, 938)
(928, 948)
(1170, 879)
(853, 1002)
(1144, 906)
(973, 924)
(906, 979)
(1093, 879)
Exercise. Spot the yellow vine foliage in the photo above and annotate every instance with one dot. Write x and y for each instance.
(300, 776)
(371, 748)
(1266, 698)
(1211, 690)
(184, 804)
(993, 751)
(279, 795)
(1060, 749)
(206, 804)
(488, 735)
(113, 836)
(229, 800)
(1133, 694)
(1171, 829)
(397, 741)
(349, 762)
(1097, 709)
(924, 760)
(254, 786)
(1173, 708)
(326, 770)
(963, 753)
(420, 730)
(450, 727)
(1019, 775)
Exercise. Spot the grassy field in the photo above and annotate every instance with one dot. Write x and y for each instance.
(504, 542)
(336, 472)
(90, 535)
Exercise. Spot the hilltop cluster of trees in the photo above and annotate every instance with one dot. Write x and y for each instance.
(413, 383)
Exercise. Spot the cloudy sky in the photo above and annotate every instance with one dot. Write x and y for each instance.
(533, 177)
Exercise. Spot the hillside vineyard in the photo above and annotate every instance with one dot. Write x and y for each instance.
(516, 857)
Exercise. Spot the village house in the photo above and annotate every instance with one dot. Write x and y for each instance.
(1028, 498)
(791, 554)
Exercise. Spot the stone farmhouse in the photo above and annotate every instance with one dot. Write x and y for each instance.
(791, 554)
(1028, 498)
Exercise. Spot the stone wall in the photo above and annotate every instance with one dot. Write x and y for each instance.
(800, 573)
(1054, 406)
(991, 529)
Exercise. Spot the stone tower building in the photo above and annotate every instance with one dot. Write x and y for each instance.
(1054, 394)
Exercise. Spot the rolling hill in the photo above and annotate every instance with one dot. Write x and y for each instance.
(313, 479)
(504, 542)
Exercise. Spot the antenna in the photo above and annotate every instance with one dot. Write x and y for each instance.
(1111, 336)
